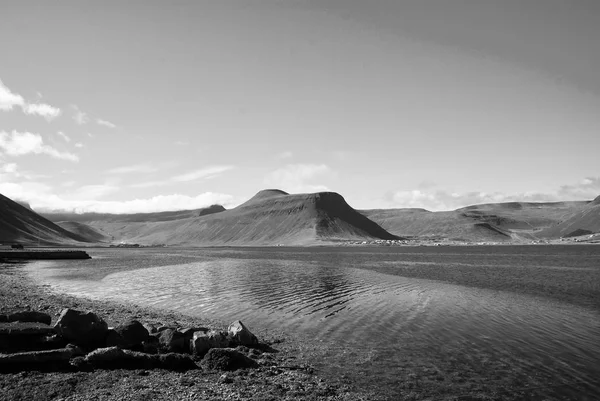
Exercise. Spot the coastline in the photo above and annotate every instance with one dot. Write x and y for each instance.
(289, 376)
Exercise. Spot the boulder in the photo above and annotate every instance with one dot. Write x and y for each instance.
(241, 335)
(171, 340)
(29, 316)
(226, 359)
(150, 327)
(63, 354)
(113, 339)
(132, 333)
(36, 360)
(105, 355)
(25, 329)
(81, 328)
(116, 358)
(188, 335)
(204, 341)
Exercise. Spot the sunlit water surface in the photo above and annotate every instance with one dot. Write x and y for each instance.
(336, 298)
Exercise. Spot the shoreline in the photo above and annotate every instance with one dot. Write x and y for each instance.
(290, 376)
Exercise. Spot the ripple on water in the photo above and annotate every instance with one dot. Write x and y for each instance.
(349, 306)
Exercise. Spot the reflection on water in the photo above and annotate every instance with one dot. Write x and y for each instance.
(390, 315)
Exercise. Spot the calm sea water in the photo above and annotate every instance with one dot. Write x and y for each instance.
(379, 326)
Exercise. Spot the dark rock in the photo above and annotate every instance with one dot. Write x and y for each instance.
(226, 359)
(204, 341)
(151, 345)
(132, 333)
(103, 356)
(114, 339)
(79, 363)
(116, 358)
(30, 316)
(21, 329)
(81, 328)
(241, 335)
(171, 340)
(180, 362)
(35, 360)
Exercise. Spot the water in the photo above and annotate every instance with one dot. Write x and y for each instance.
(379, 326)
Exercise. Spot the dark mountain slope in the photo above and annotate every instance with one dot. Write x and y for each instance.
(20, 224)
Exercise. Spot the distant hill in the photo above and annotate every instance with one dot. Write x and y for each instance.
(19, 224)
(271, 217)
(582, 222)
(496, 222)
(107, 227)
(84, 231)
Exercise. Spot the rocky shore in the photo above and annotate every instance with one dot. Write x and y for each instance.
(58, 347)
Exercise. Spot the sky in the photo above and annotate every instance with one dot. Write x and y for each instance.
(142, 106)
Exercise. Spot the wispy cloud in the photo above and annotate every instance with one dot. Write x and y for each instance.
(105, 123)
(64, 136)
(9, 99)
(23, 143)
(135, 168)
(300, 177)
(441, 199)
(42, 109)
(79, 145)
(85, 200)
(205, 173)
(79, 116)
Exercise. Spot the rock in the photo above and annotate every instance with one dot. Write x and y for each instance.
(150, 327)
(35, 360)
(226, 359)
(103, 356)
(171, 340)
(202, 341)
(81, 328)
(116, 358)
(188, 335)
(132, 333)
(241, 335)
(113, 339)
(21, 329)
(151, 345)
(30, 316)
(179, 362)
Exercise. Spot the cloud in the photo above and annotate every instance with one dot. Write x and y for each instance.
(300, 177)
(105, 123)
(79, 116)
(8, 99)
(79, 145)
(63, 136)
(135, 168)
(42, 199)
(205, 173)
(23, 143)
(42, 109)
(441, 199)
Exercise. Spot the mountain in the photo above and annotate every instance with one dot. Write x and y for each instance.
(19, 224)
(495, 222)
(583, 222)
(107, 227)
(271, 217)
